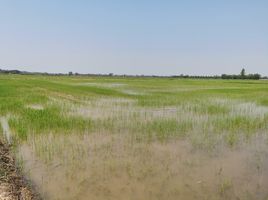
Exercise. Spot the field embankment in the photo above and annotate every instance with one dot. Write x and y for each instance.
(12, 184)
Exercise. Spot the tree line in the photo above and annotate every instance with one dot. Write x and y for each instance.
(242, 75)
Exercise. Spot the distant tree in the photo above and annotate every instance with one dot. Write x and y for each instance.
(254, 76)
(243, 73)
(225, 76)
(110, 74)
(70, 73)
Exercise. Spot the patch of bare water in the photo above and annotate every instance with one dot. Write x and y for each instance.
(109, 85)
(132, 92)
(35, 106)
(103, 166)
(101, 108)
(243, 108)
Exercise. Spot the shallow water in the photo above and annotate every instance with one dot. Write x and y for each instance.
(105, 166)
(35, 107)
(6, 129)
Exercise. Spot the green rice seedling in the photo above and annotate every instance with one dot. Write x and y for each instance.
(168, 128)
(44, 121)
(225, 186)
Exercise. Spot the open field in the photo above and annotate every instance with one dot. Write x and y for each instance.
(138, 138)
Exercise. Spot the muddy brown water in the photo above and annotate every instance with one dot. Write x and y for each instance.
(103, 166)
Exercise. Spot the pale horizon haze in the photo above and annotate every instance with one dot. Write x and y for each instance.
(135, 37)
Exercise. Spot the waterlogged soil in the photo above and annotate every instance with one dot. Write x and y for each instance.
(104, 166)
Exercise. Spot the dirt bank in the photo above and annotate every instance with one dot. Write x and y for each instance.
(12, 184)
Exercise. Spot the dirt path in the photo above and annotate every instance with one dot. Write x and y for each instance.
(12, 184)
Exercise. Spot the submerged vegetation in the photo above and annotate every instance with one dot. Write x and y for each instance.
(139, 138)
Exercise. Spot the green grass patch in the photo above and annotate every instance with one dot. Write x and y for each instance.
(46, 121)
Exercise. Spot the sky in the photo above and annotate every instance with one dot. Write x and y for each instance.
(160, 37)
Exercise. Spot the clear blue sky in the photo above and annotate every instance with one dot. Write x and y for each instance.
(135, 36)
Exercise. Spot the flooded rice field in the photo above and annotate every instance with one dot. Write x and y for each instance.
(140, 138)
